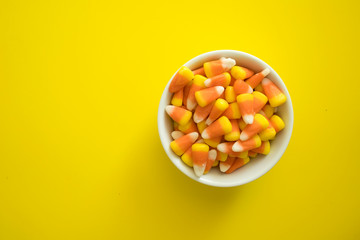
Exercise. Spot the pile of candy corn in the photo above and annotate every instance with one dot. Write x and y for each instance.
(223, 114)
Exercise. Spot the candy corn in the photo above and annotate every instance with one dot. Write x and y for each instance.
(218, 128)
(275, 96)
(176, 134)
(254, 80)
(224, 166)
(246, 107)
(181, 78)
(211, 159)
(259, 88)
(221, 156)
(239, 154)
(201, 126)
(277, 123)
(241, 87)
(213, 142)
(252, 154)
(187, 157)
(230, 96)
(197, 85)
(234, 135)
(201, 113)
(226, 147)
(186, 92)
(217, 67)
(207, 95)
(241, 72)
(199, 155)
(222, 79)
(242, 124)
(232, 112)
(241, 146)
(263, 149)
(219, 107)
(178, 114)
(238, 163)
(259, 101)
(216, 163)
(177, 98)
(199, 71)
(268, 110)
(189, 127)
(260, 123)
(180, 145)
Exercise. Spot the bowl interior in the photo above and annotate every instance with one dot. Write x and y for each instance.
(257, 166)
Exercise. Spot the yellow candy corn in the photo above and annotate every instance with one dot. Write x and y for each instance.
(277, 123)
(178, 114)
(263, 149)
(182, 77)
(268, 110)
(241, 146)
(217, 67)
(232, 112)
(275, 96)
(230, 94)
(234, 135)
(177, 98)
(207, 95)
(218, 128)
(219, 107)
(180, 145)
(199, 157)
(260, 123)
(241, 73)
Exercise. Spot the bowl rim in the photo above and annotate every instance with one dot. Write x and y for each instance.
(281, 151)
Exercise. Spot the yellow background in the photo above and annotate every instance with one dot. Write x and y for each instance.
(80, 156)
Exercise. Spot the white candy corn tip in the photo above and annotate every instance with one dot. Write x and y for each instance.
(219, 89)
(199, 170)
(207, 82)
(190, 105)
(224, 166)
(222, 147)
(176, 134)
(250, 90)
(244, 136)
(248, 119)
(169, 109)
(196, 118)
(265, 72)
(237, 147)
(205, 135)
(212, 154)
(227, 63)
(266, 81)
(193, 136)
(208, 121)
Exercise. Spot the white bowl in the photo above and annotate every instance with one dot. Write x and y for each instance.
(257, 166)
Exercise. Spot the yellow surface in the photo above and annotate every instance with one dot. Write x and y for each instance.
(80, 156)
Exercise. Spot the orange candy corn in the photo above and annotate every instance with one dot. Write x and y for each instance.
(222, 79)
(277, 123)
(177, 98)
(275, 96)
(217, 67)
(180, 145)
(176, 134)
(234, 135)
(259, 88)
(269, 132)
(219, 107)
(241, 87)
(201, 113)
(181, 78)
(241, 146)
(224, 166)
(263, 149)
(189, 127)
(238, 163)
(207, 95)
(197, 85)
(199, 155)
(256, 79)
(230, 96)
(199, 71)
(260, 123)
(226, 147)
(241, 72)
(259, 101)
(187, 157)
(211, 159)
(232, 112)
(246, 107)
(186, 92)
(218, 128)
(201, 126)
(178, 114)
